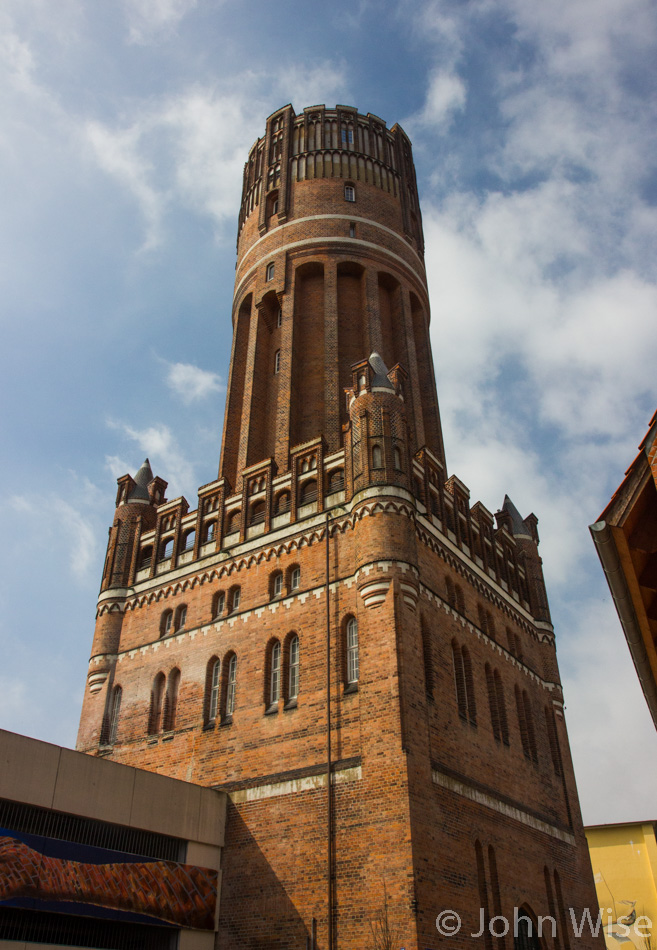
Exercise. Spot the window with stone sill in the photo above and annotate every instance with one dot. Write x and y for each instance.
(293, 670)
(351, 642)
(181, 617)
(218, 604)
(234, 599)
(230, 665)
(277, 584)
(274, 673)
(213, 689)
(166, 623)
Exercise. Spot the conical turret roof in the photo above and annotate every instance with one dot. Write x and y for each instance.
(518, 526)
(380, 380)
(143, 478)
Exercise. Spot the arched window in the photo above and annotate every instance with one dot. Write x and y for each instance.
(230, 665)
(309, 492)
(460, 602)
(111, 722)
(497, 705)
(166, 549)
(336, 480)
(451, 595)
(188, 540)
(233, 522)
(234, 598)
(209, 532)
(352, 651)
(526, 725)
(464, 682)
(526, 937)
(145, 557)
(155, 711)
(483, 893)
(212, 689)
(283, 503)
(276, 584)
(555, 752)
(349, 193)
(397, 459)
(277, 361)
(295, 577)
(166, 623)
(274, 672)
(257, 514)
(218, 604)
(515, 645)
(171, 701)
(293, 668)
(181, 617)
(377, 457)
(270, 271)
(426, 654)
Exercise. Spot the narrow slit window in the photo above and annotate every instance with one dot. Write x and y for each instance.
(117, 695)
(215, 684)
(277, 361)
(293, 686)
(231, 686)
(352, 651)
(270, 271)
(275, 674)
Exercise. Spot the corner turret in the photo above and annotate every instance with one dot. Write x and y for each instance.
(525, 533)
(137, 500)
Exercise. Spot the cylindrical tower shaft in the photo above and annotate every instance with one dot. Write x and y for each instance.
(330, 267)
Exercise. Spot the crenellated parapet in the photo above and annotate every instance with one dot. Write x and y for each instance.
(326, 143)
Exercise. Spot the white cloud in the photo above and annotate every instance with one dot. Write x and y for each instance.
(446, 95)
(167, 459)
(190, 148)
(150, 20)
(611, 732)
(192, 383)
(65, 526)
(117, 466)
(543, 313)
(118, 154)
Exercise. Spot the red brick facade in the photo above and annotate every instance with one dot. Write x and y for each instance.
(333, 531)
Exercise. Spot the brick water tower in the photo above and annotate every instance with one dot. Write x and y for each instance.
(335, 636)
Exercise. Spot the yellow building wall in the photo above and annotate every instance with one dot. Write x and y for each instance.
(624, 861)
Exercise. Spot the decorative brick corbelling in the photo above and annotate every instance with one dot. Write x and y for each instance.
(367, 503)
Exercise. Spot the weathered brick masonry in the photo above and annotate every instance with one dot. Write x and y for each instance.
(451, 784)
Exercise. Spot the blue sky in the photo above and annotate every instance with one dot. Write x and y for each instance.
(125, 126)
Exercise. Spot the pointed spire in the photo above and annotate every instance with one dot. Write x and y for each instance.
(143, 478)
(380, 379)
(518, 527)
